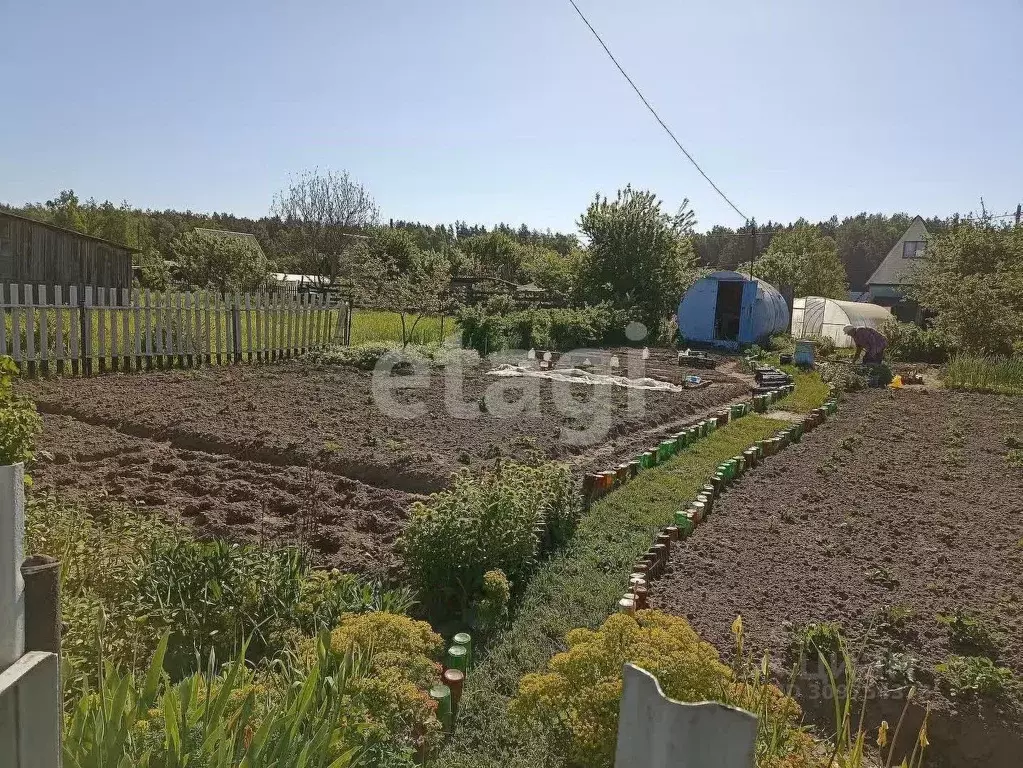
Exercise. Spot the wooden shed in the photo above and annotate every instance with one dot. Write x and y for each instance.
(34, 252)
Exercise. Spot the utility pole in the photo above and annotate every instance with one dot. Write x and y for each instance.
(1019, 210)
(752, 246)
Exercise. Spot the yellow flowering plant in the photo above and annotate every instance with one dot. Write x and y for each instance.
(581, 691)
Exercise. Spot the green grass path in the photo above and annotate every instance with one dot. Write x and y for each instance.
(580, 587)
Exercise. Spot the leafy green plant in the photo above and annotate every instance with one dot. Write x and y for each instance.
(780, 342)
(400, 656)
(846, 378)
(482, 332)
(968, 633)
(103, 552)
(502, 520)
(968, 675)
(216, 596)
(824, 346)
(896, 617)
(326, 596)
(559, 329)
(366, 355)
(327, 715)
(897, 669)
(823, 638)
(909, 343)
(20, 425)
(492, 609)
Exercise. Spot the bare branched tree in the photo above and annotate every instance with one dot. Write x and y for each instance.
(328, 210)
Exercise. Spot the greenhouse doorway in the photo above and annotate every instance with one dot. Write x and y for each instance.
(728, 310)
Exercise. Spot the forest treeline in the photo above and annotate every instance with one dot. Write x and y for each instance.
(861, 241)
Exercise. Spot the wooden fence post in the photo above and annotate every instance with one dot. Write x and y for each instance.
(42, 295)
(58, 318)
(73, 327)
(86, 325)
(656, 732)
(236, 326)
(101, 327)
(30, 330)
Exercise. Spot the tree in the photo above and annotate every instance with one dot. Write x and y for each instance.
(805, 260)
(65, 211)
(226, 263)
(639, 257)
(154, 272)
(327, 210)
(418, 291)
(972, 278)
(549, 269)
(494, 254)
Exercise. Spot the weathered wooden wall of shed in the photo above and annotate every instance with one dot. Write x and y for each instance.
(34, 253)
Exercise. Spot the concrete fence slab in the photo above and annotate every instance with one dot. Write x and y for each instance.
(657, 732)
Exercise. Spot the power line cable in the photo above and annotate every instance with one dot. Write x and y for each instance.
(654, 111)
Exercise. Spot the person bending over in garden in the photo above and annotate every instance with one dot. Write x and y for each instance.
(869, 342)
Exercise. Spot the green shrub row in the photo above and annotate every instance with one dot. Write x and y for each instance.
(557, 329)
(503, 521)
(367, 355)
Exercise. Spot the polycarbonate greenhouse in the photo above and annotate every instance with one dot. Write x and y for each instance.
(818, 316)
(727, 309)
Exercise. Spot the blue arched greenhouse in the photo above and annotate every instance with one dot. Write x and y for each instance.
(727, 309)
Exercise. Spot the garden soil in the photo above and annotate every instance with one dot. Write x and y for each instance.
(293, 452)
(904, 499)
(295, 414)
(346, 523)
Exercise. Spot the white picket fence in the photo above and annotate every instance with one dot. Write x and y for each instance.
(80, 330)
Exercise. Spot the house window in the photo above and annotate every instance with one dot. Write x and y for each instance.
(913, 249)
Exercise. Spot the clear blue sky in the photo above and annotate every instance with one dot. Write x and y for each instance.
(490, 110)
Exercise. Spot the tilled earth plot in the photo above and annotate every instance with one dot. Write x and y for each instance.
(293, 452)
(408, 433)
(349, 524)
(905, 506)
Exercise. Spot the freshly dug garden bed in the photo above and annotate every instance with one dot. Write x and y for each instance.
(901, 508)
(346, 523)
(297, 414)
(299, 453)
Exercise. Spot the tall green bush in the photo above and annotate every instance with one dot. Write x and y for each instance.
(909, 343)
(20, 425)
(559, 329)
(972, 279)
(501, 521)
(640, 257)
(482, 332)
